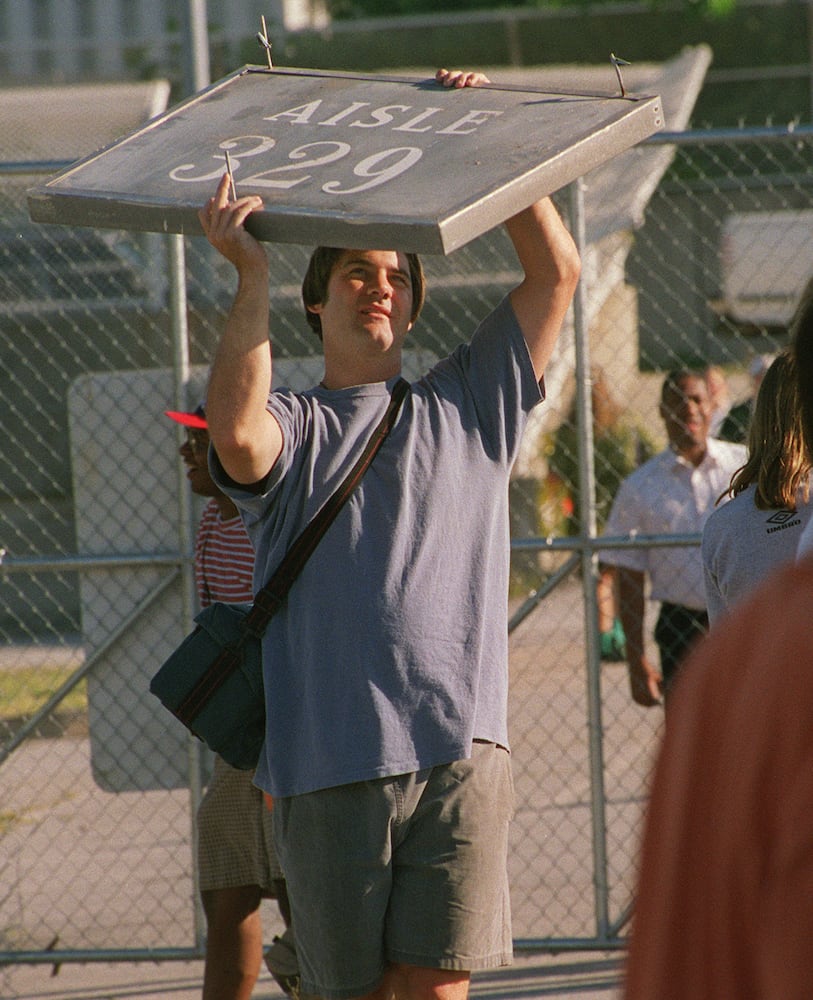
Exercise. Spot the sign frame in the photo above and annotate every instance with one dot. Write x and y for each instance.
(496, 143)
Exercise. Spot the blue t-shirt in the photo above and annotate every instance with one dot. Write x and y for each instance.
(390, 653)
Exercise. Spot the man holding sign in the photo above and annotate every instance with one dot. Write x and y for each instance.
(386, 671)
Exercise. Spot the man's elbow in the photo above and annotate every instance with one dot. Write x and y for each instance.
(569, 268)
(241, 456)
(560, 278)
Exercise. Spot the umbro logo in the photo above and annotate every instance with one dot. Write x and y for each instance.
(781, 516)
(782, 519)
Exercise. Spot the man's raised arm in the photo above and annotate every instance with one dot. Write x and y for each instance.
(246, 437)
(547, 255)
(550, 261)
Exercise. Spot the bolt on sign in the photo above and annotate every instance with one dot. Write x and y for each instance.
(349, 159)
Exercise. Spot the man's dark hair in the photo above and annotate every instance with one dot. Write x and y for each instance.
(801, 330)
(674, 378)
(317, 276)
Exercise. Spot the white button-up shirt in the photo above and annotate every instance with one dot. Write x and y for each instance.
(668, 495)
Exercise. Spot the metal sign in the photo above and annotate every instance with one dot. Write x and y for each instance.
(349, 159)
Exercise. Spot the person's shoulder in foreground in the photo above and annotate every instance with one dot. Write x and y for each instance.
(726, 870)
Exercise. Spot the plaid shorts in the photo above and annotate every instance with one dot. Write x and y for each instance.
(235, 842)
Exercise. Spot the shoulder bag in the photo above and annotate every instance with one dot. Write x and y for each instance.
(213, 682)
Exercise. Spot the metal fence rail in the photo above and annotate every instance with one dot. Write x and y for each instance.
(100, 332)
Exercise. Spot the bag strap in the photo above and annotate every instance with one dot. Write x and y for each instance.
(270, 597)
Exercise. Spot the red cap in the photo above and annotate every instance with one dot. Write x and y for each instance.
(197, 418)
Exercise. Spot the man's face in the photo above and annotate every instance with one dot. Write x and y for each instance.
(368, 299)
(194, 452)
(686, 411)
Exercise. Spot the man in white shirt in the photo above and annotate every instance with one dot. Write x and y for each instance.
(672, 493)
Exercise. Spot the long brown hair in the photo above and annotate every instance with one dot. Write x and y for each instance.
(802, 338)
(778, 460)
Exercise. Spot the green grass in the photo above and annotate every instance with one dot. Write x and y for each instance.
(24, 690)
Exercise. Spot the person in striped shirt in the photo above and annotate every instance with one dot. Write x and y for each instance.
(237, 863)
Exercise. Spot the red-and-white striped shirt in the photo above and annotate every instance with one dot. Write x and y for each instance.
(224, 559)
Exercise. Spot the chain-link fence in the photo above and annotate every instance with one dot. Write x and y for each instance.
(102, 331)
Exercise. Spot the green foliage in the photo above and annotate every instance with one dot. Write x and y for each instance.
(617, 451)
(719, 8)
(701, 8)
(348, 9)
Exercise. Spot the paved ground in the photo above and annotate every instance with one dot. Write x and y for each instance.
(578, 978)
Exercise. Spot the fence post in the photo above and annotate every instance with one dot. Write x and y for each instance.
(196, 56)
(587, 522)
(181, 368)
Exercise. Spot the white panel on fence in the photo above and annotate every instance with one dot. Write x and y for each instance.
(766, 263)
